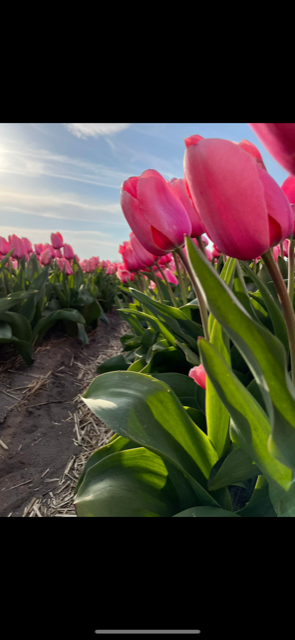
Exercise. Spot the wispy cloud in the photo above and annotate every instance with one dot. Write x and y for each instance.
(87, 130)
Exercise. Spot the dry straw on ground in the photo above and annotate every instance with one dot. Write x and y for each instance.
(89, 434)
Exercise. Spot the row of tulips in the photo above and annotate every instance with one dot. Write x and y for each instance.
(202, 398)
(49, 286)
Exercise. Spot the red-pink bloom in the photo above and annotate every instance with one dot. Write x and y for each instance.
(279, 140)
(243, 210)
(38, 249)
(57, 240)
(63, 263)
(198, 374)
(104, 264)
(18, 246)
(286, 248)
(250, 148)
(205, 241)
(154, 213)
(45, 257)
(169, 276)
(124, 275)
(68, 252)
(145, 257)
(28, 245)
(4, 246)
(130, 259)
(165, 259)
(288, 187)
(209, 254)
(111, 269)
(50, 248)
(180, 189)
(276, 252)
(95, 262)
(215, 251)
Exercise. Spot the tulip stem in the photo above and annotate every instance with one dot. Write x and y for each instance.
(158, 285)
(285, 302)
(282, 249)
(168, 285)
(201, 301)
(201, 245)
(180, 278)
(291, 269)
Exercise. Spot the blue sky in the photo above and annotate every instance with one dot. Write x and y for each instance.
(67, 177)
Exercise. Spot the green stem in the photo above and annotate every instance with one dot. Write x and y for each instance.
(168, 284)
(285, 302)
(201, 245)
(282, 249)
(201, 301)
(158, 285)
(291, 269)
(140, 282)
(180, 278)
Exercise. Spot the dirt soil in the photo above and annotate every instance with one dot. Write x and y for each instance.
(43, 425)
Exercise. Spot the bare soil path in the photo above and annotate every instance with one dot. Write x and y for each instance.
(46, 432)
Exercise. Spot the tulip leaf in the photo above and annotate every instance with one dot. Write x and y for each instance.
(183, 386)
(45, 323)
(263, 352)
(250, 428)
(117, 363)
(236, 467)
(206, 512)
(169, 359)
(259, 505)
(22, 346)
(148, 412)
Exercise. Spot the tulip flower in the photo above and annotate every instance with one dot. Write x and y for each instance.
(124, 275)
(38, 249)
(204, 240)
(166, 259)
(288, 187)
(45, 257)
(50, 248)
(68, 252)
(243, 210)
(279, 140)
(169, 276)
(146, 258)
(209, 254)
(215, 252)
(198, 374)
(18, 246)
(181, 191)
(250, 148)
(154, 212)
(57, 240)
(131, 261)
(28, 245)
(63, 263)
(4, 246)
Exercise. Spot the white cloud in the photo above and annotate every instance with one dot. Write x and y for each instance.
(87, 130)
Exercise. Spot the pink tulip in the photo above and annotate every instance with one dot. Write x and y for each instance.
(38, 249)
(152, 285)
(111, 270)
(124, 275)
(165, 259)
(288, 187)
(57, 240)
(104, 264)
(68, 252)
(243, 210)
(154, 213)
(286, 248)
(169, 276)
(18, 246)
(276, 252)
(144, 256)
(279, 140)
(4, 246)
(130, 259)
(209, 254)
(28, 245)
(50, 248)
(45, 257)
(95, 262)
(215, 252)
(250, 148)
(62, 262)
(198, 374)
(181, 191)
(205, 241)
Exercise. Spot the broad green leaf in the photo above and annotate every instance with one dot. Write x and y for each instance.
(132, 483)
(169, 359)
(190, 355)
(23, 347)
(147, 411)
(20, 326)
(184, 387)
(250, 428)
(275, 315)
(45, 323)
(117, 363)
(259, 506)
(236, 467)
(206, 512)
(82, 335)
(154, 322)
(263, 352)
(13, 299)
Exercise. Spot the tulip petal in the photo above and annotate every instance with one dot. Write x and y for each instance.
(278, 209)
(138, 223)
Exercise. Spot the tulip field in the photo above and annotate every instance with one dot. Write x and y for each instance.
(195, 391)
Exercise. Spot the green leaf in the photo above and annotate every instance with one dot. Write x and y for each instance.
(146, 411)
(259, 506)
(236, 467)
(20, 326)
(82, 335)
(282, 264)
(250, 428)
(276, 316)
(13, 299)
(263, 352)
(45, 323)
(169, 359)
(117, 363)
(206, 512)
(23, 347)
(184, 388)
(190, 355)
(132, 483)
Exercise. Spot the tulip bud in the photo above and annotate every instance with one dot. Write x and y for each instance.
(57, 240)
(279, 140)
(198, 374)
